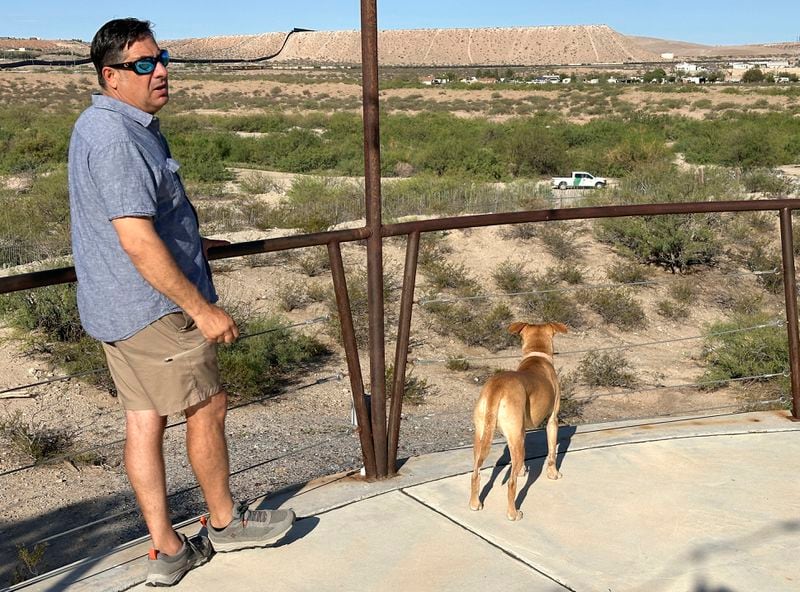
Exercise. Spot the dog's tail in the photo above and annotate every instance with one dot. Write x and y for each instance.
(485, 420)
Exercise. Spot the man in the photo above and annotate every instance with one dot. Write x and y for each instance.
(145, 291)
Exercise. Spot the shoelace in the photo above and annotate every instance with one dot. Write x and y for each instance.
(246, 515)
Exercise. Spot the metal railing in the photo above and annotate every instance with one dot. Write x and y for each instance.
(379, 440)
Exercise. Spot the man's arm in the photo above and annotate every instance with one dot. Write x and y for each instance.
(152, 259)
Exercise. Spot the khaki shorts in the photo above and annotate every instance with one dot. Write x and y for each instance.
(168, 366)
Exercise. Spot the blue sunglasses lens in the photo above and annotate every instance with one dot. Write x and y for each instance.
(147, 65)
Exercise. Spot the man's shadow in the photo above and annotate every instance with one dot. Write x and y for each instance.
(535, 455)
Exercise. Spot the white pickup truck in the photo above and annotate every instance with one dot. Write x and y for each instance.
(579, 180)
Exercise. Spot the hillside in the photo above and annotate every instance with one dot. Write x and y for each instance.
(521, 46)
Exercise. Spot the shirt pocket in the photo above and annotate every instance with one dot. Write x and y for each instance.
(170, 190)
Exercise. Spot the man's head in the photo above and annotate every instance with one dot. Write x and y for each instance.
(116, 48)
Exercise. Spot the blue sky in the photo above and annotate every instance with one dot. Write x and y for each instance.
(714, 22)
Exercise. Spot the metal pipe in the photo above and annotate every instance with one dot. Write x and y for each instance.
(586, 213)
(790, 293)
(401, 348)
(64, 275)
(372, 188)
(353, 362)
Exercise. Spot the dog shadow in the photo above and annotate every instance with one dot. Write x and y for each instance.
(535, 458)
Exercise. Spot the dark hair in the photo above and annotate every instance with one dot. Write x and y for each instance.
(113, 38)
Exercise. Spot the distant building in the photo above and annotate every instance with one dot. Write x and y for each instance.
(668, 56)
(686, 67)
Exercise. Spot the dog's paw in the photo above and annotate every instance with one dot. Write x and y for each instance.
(553, 473)
(475, 507)
(515, 516)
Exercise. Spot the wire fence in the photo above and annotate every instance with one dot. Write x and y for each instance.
(710, 335)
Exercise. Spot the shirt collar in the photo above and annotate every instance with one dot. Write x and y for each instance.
(101, 101)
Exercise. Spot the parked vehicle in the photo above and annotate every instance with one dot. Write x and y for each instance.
(579, 179)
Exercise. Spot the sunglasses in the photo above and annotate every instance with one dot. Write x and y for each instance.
(145, 65)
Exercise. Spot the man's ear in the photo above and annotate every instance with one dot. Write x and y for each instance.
(110, 77)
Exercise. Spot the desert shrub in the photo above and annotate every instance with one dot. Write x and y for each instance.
(34, 223)
(675, 242)
(510, 277)
(683, 291)
(627, 272)
(763, 258)
(534, 148)
(672, 310)
(30, 562)
(617, 307)
(33, 438)
(256, 366)
(560, 240)
(739, 140)
(315, 262)
(314, 204)
(550, 302)
(48, 320)
(520, 231)
(766, 182)
(292, 295)
(570, 274)
(445, 275)
(359, 306)
(457, 364)
(415, 390)
(606, 369)
(255, 183)
(729, 354)
(475, 326)
(51, 311)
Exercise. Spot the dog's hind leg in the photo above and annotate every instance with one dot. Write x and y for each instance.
(516, 447)
(552, 445)
(482, 444)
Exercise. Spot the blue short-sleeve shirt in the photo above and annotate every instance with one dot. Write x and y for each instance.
(120, 166)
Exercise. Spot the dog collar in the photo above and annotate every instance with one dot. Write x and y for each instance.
(547, 357)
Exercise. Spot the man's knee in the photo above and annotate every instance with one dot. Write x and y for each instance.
(213, 408)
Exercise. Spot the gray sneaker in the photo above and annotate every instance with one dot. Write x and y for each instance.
(167, 570)
(250, 528)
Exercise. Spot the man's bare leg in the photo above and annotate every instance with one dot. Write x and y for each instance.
(144, 463)
(208, 453)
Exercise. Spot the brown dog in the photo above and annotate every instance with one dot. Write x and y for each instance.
(516, 401)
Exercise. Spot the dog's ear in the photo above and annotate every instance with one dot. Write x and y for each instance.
(516, 327)
(558, 328)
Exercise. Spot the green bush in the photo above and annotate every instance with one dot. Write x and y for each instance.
(256, 366)
(359, 306)
(473, 325)
(606, 369)
(415, 390)
(627, 272)
(675, 242)
(34, 439)
(745, 353)
(617, 307)
(672, 310)
(550, 303)
(510, 277)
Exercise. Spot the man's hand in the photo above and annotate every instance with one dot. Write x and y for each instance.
(216, 325)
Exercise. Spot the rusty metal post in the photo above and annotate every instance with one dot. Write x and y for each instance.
(790, 293)
(401, 349)
(353, 363)
(372, 186)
